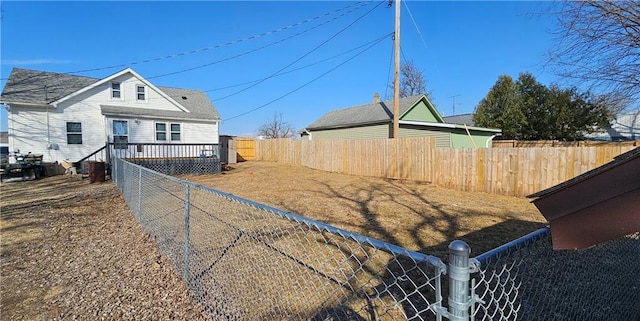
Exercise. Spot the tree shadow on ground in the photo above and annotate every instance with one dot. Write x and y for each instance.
(408, 283)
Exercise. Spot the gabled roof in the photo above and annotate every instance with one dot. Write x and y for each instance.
(41, 87)
(373, 113)
(28, 87)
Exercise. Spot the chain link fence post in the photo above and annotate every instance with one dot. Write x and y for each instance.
(139, 212)
(186, 233)
(459, 299)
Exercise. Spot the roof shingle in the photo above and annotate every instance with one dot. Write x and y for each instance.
(363, 114)
(43, 87)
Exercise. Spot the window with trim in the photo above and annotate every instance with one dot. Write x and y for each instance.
(115, 90)
(120, 134)
(141, 92)
(175, 132)
(167, 131)
(74, 133)
(161, 131)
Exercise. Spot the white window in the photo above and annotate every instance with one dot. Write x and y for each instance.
(115, 90)
(141, 92)
(167, 131)
(161, 132)
(175, 132)
(74, 133)
(120, 134)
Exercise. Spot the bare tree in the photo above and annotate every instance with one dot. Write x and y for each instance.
(411, 81)
(276, 128)
(598, 45)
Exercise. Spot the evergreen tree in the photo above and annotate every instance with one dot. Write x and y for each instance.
(528, 110)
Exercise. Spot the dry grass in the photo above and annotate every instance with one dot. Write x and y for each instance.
(416, 215)
(72, 251)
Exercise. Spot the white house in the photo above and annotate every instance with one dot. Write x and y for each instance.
(624, 127)
(67, 117)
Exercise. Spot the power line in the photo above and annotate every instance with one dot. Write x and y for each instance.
(282, 73)
(233, 42)
(299, 68)
(386, 91)
(304, 55)
(254, 50)
(306, 84)
(415, 24)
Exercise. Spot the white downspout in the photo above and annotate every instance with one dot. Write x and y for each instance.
(491, 138)
(308, 133)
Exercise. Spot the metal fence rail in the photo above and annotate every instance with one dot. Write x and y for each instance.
(527, 280)
(247, 261)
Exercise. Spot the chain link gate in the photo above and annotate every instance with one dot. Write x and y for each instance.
(247, 261)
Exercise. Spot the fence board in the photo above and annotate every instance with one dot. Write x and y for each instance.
(516, 171)
(246, 148)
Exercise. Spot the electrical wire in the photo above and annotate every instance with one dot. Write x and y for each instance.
(300, 68)
(282, 73)
(253, 50)
(233, 42)
(304, 55)
(386, 90)
(415, 24)
(306, 84)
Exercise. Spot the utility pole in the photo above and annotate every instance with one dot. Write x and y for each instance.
(454, 103)
(396, 73)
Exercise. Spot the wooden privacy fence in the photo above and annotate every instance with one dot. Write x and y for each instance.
(246, 149)
(557, 143)
(507, 171)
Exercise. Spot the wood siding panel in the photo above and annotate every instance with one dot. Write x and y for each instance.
(442, 138)
(363, 132)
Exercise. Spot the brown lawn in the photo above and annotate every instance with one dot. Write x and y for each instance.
(416, 215)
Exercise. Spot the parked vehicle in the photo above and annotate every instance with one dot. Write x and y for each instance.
(27, 166)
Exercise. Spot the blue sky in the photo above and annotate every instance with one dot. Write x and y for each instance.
(461, 47)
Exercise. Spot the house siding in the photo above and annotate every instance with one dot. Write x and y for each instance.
(33, 129)
(460, 139)
(128, 83)
(420, 112)
(442, 137)
(361, 132)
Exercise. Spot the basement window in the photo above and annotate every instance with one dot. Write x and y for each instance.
(74, 133)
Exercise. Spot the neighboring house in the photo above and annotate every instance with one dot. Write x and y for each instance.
(624, 127)
(418, 117)
(462, 119)
(67, 117)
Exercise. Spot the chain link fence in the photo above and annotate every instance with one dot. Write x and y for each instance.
(247, 261)
(528, 280)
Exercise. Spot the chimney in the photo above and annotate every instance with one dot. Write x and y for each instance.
(376, 98)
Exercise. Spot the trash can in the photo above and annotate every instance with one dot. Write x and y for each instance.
(96, 172)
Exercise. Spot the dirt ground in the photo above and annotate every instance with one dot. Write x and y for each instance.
(415, 215)
(72, 250)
